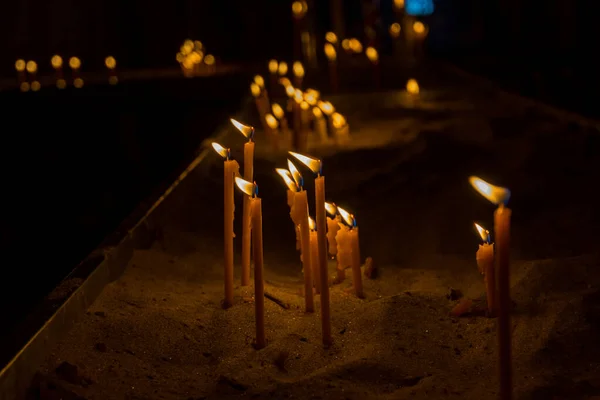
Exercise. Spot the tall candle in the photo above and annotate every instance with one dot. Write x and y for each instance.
(273, 66)
(341, 130)
(57, 64)
(231, 168)
(320, 125)
(315, 166)
(328, 109)
(298, 70)
(283, 124)
(485, 264)
(251, 189)
(331, 55)
(20, 66)
(373, 57)
(248, 132)
(332, 227)
(314, 256)
(273, 131)
(500, 196)
(344, 251)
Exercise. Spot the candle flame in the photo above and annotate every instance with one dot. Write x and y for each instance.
(346, 44)
(399, 4)
(331, 208)
(20, 65)
(287, 179)
(271, 121)
(198, 45)
(245, 130)
(273, 66)
(347, 217)
(355, 45)
(31, 66)
(395, 30)
(412, 86)
(484, 233)
(313, 92)
(56, 61)
(222, 151)
(326, 107)
(495, 194)
(298, 97)
(338, 120)
(314, 164)
(246, 187)
(74, 63)
(283, 68)
(254, 89)
(290, 91)
(304, 105)
(330, 52)
(311, 224)
(331, 37)
(317, 112)
(259, 81)
(209, 59)
(277, 111)
(298, 69)
(295, 174)
(372, 54)
(110, 62)
(285, 82)
(419, 27)
(310, 98)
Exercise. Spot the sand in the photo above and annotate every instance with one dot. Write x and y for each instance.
(159, 332)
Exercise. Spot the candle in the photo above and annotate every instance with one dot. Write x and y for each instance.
(291, 195)
(355, 252)
(231, 169)
(283, 123)
(394, 31)
(273, 67)
(485, 264)
(500, 196)
(282, 69)
(420, 33)
(251, 189)
(314, 255)
(273, 131)
(320, 125)
(333, 227)
(341, 130)
(111, 64)
(260, 106)
(298, 69)
(263, 95)
(315, 165)
(57, 63)
(412, 87)
(248, 132)
(31, 68)
(75, 64)
(331, 55)
(344, 251)
(297, 100)
(299, 214)
(373, 57)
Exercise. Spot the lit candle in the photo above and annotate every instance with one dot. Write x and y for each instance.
(420, 33)
(354, 242)
(328, 109)
(373, 57)
(264, 96)
(20, 66)
(305, 114)
(333, 227)
(314, 255)
(485, 264)
(341, 130)
(258, 100)
(231, 169)
(273, 67)
(210, 62)
(290, 92)
(111, 64)
(316, 166)
(331, 55)
(282, 69)
(299, 214)
(297, 100)
(320, 125)
(298, 69)
(273, 131)
(57, 63)
(248, 132)
(75, 64)
(283, 123)
(500, 196)
(412, 87)
(250, 189)
(32, 71)
(291, 195)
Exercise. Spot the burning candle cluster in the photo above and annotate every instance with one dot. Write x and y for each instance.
(27, 73)
(333, 232)
(309, 114)
(193, 58)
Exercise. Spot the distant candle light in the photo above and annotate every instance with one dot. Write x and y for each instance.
(399, 4)
(283, 68)
(395, 30)
(412, 86)
(346, 44)
(418, 27)
(20, 65)
(355, 45)
(255, 89)
(277, 110)
(56, 61)
(330, 52)
(110, 62)
(31, 67)
(273, 66)
(298, 69)
(209, 59)
(74, 63)
(331, 37)
(372, 54)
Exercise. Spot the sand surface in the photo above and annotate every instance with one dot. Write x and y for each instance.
(159, 331)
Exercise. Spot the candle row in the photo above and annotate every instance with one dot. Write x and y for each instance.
(27, 72)
(193, 59)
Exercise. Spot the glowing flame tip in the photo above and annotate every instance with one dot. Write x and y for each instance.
(314, 164)
(287, 179)
(246, 187)
(347, 217)
(331, 208)
(495, 194)
(222, 151)
(484, 233)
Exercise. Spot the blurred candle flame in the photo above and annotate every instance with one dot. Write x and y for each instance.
(246, 130)
(298, 97)
(110, 62)
(283, 68)
(273, 66)
(304, 105)
(271, 121)
(372, 54)
(56, 61)
(296, 175)
(74, 63)
(277, 111)
(317, 112)
(399, 4)
(287, 179)
(198, 45)
(347, 217)
(298, 69)
(255, 89)
(412, 86)
(290, 91)
(330, 52)
(331, 37)
(495, 194)
(259, 81)
(418, 27)
(484, 233)
(285, 82)
(314, 164)
(395, 30)
(338, 120)
(326, 107)
(331, 209)
(355, 45)
(311, 224)
(20, 65)
(31, 67)
(246, 187)
(346, 44)
(209, 59)
(222, 151)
